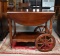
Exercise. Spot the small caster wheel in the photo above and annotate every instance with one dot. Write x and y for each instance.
(45, 42)
(40, 29)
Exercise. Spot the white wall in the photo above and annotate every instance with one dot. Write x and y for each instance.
(48, 3)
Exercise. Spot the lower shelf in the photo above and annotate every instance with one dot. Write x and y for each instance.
(25, 36)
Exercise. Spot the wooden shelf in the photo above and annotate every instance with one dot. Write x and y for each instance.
(25, 36)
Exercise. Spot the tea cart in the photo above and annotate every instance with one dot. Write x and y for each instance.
(41, 35)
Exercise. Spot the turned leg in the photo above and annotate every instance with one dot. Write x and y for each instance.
(46, 27)
(10, 31)
(14, 28)
(50, 26)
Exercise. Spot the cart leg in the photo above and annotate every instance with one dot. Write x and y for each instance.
(46, 27)
(50, 26)
(14, 28)
(10, 31)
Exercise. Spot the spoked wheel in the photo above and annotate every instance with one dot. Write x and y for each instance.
(45, 42)
(40, 29)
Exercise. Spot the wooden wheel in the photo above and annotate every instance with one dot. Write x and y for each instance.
(40, 29)
(45, 42)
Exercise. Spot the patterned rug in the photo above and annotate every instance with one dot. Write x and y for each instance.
(5, 48)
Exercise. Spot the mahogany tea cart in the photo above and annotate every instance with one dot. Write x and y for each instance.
(42, 37)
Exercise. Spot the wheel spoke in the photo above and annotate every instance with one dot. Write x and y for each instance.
(40, 43)
(39, 29)
(41, 47)
(50, 44)
(45, 39)
(44, 47)
(49, 40)
(42, 40)
(42, 29)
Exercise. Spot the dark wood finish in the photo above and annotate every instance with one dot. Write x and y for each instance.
(58, 26)
(0, 15)
(57, 14)
(21, 5)
(3, 6)
(3, 20)
(57, 3)
(30, 18)
(3, 28)
(57, 7)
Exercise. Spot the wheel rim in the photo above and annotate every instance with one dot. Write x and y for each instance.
(40, 29)
(45, 42)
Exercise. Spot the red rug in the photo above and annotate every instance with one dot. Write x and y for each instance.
(26, 48)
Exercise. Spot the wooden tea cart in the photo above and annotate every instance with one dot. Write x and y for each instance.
(42, 37)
